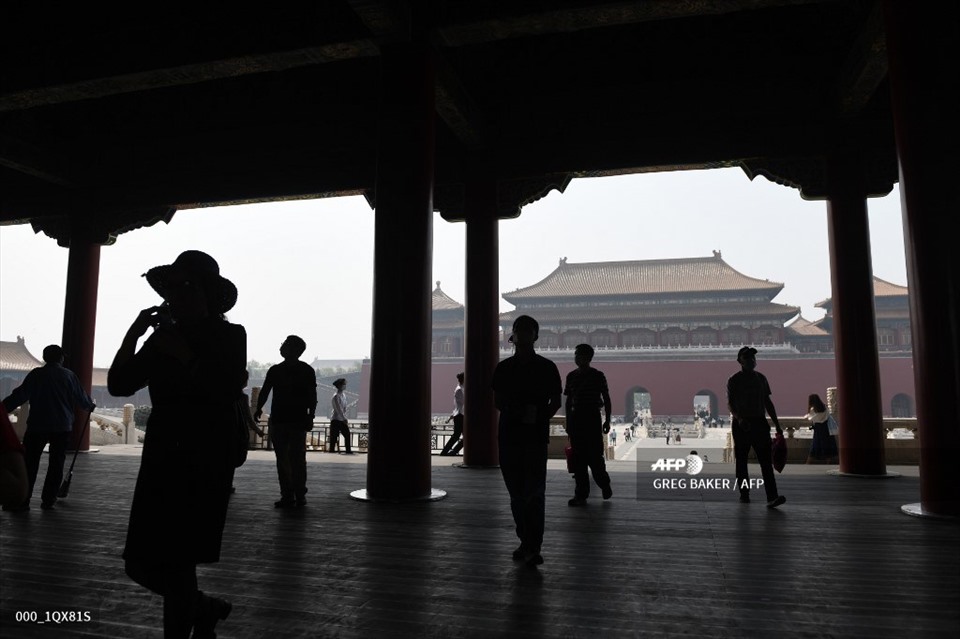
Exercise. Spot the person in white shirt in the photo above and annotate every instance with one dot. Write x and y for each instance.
(455, 443)
(338, 417)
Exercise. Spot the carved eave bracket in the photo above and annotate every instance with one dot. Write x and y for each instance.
(100, 227)
(512, 195)
(810, 175)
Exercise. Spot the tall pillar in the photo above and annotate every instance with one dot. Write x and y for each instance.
(79, 324)
(398, 463)
(482, 324)
(920, 42)
(854, 322)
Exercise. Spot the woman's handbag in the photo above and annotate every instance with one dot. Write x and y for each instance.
(832, 426)
(243, 424)
(778, 452)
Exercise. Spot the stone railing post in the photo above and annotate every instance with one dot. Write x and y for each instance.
(833, 401)
(129, 427)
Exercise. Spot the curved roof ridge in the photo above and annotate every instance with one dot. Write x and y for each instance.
(639, 277)
(440, 301)
(882, 287)
(14, 356)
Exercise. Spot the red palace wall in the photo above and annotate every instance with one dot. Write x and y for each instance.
(673, 384)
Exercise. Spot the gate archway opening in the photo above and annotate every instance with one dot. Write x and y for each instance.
(705, 404)
(638, 401)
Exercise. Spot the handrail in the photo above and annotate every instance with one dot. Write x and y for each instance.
(318, 436)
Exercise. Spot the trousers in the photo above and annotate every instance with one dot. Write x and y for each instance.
(754, 433)
(33, 443)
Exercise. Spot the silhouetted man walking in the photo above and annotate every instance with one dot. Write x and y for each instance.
(586, 392)
(53, 392)
(294, 387)
(454, 444)
(748, 395)
(526, 390)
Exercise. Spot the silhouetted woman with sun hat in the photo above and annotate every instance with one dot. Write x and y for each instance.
(194, 364)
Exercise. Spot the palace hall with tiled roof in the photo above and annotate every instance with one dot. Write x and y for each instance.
(666, 302)
(448, 321)
(892, 311)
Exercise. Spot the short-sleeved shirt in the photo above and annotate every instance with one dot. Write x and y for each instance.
(294, 388)
(747, 394)
(586, 388)
(457, 401)
(525, 387)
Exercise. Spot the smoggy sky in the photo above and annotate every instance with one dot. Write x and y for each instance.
(306, 267)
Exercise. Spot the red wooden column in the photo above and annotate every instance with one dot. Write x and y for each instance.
(398, 464)
(482, 325)
(854, 322)
(80, 322)
(921, 39)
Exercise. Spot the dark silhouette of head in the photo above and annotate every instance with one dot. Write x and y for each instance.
(53, 354)
(293, 346)
(340, 383)
(815, 404)
(747, 357)
(526, 330)
(460, 377)
(583, 354)
(190, 273)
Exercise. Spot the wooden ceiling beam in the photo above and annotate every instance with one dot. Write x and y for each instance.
(186, 75)
(865, 67)
(25, 158)
(594, 15)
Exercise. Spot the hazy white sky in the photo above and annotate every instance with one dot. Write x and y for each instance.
(307, 267)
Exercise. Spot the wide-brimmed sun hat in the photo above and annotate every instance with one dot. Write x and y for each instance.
(198, 265)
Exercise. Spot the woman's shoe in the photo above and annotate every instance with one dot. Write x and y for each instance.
(210, 610)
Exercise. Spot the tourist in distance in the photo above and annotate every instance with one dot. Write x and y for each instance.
(526, 390)
(195, 365)
(454, 444)
(54, 392)
(823, 448)
(748, 395)
(586, 391)
(294, 387)
(339, 424)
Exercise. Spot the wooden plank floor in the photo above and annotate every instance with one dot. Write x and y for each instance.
(838, 560)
